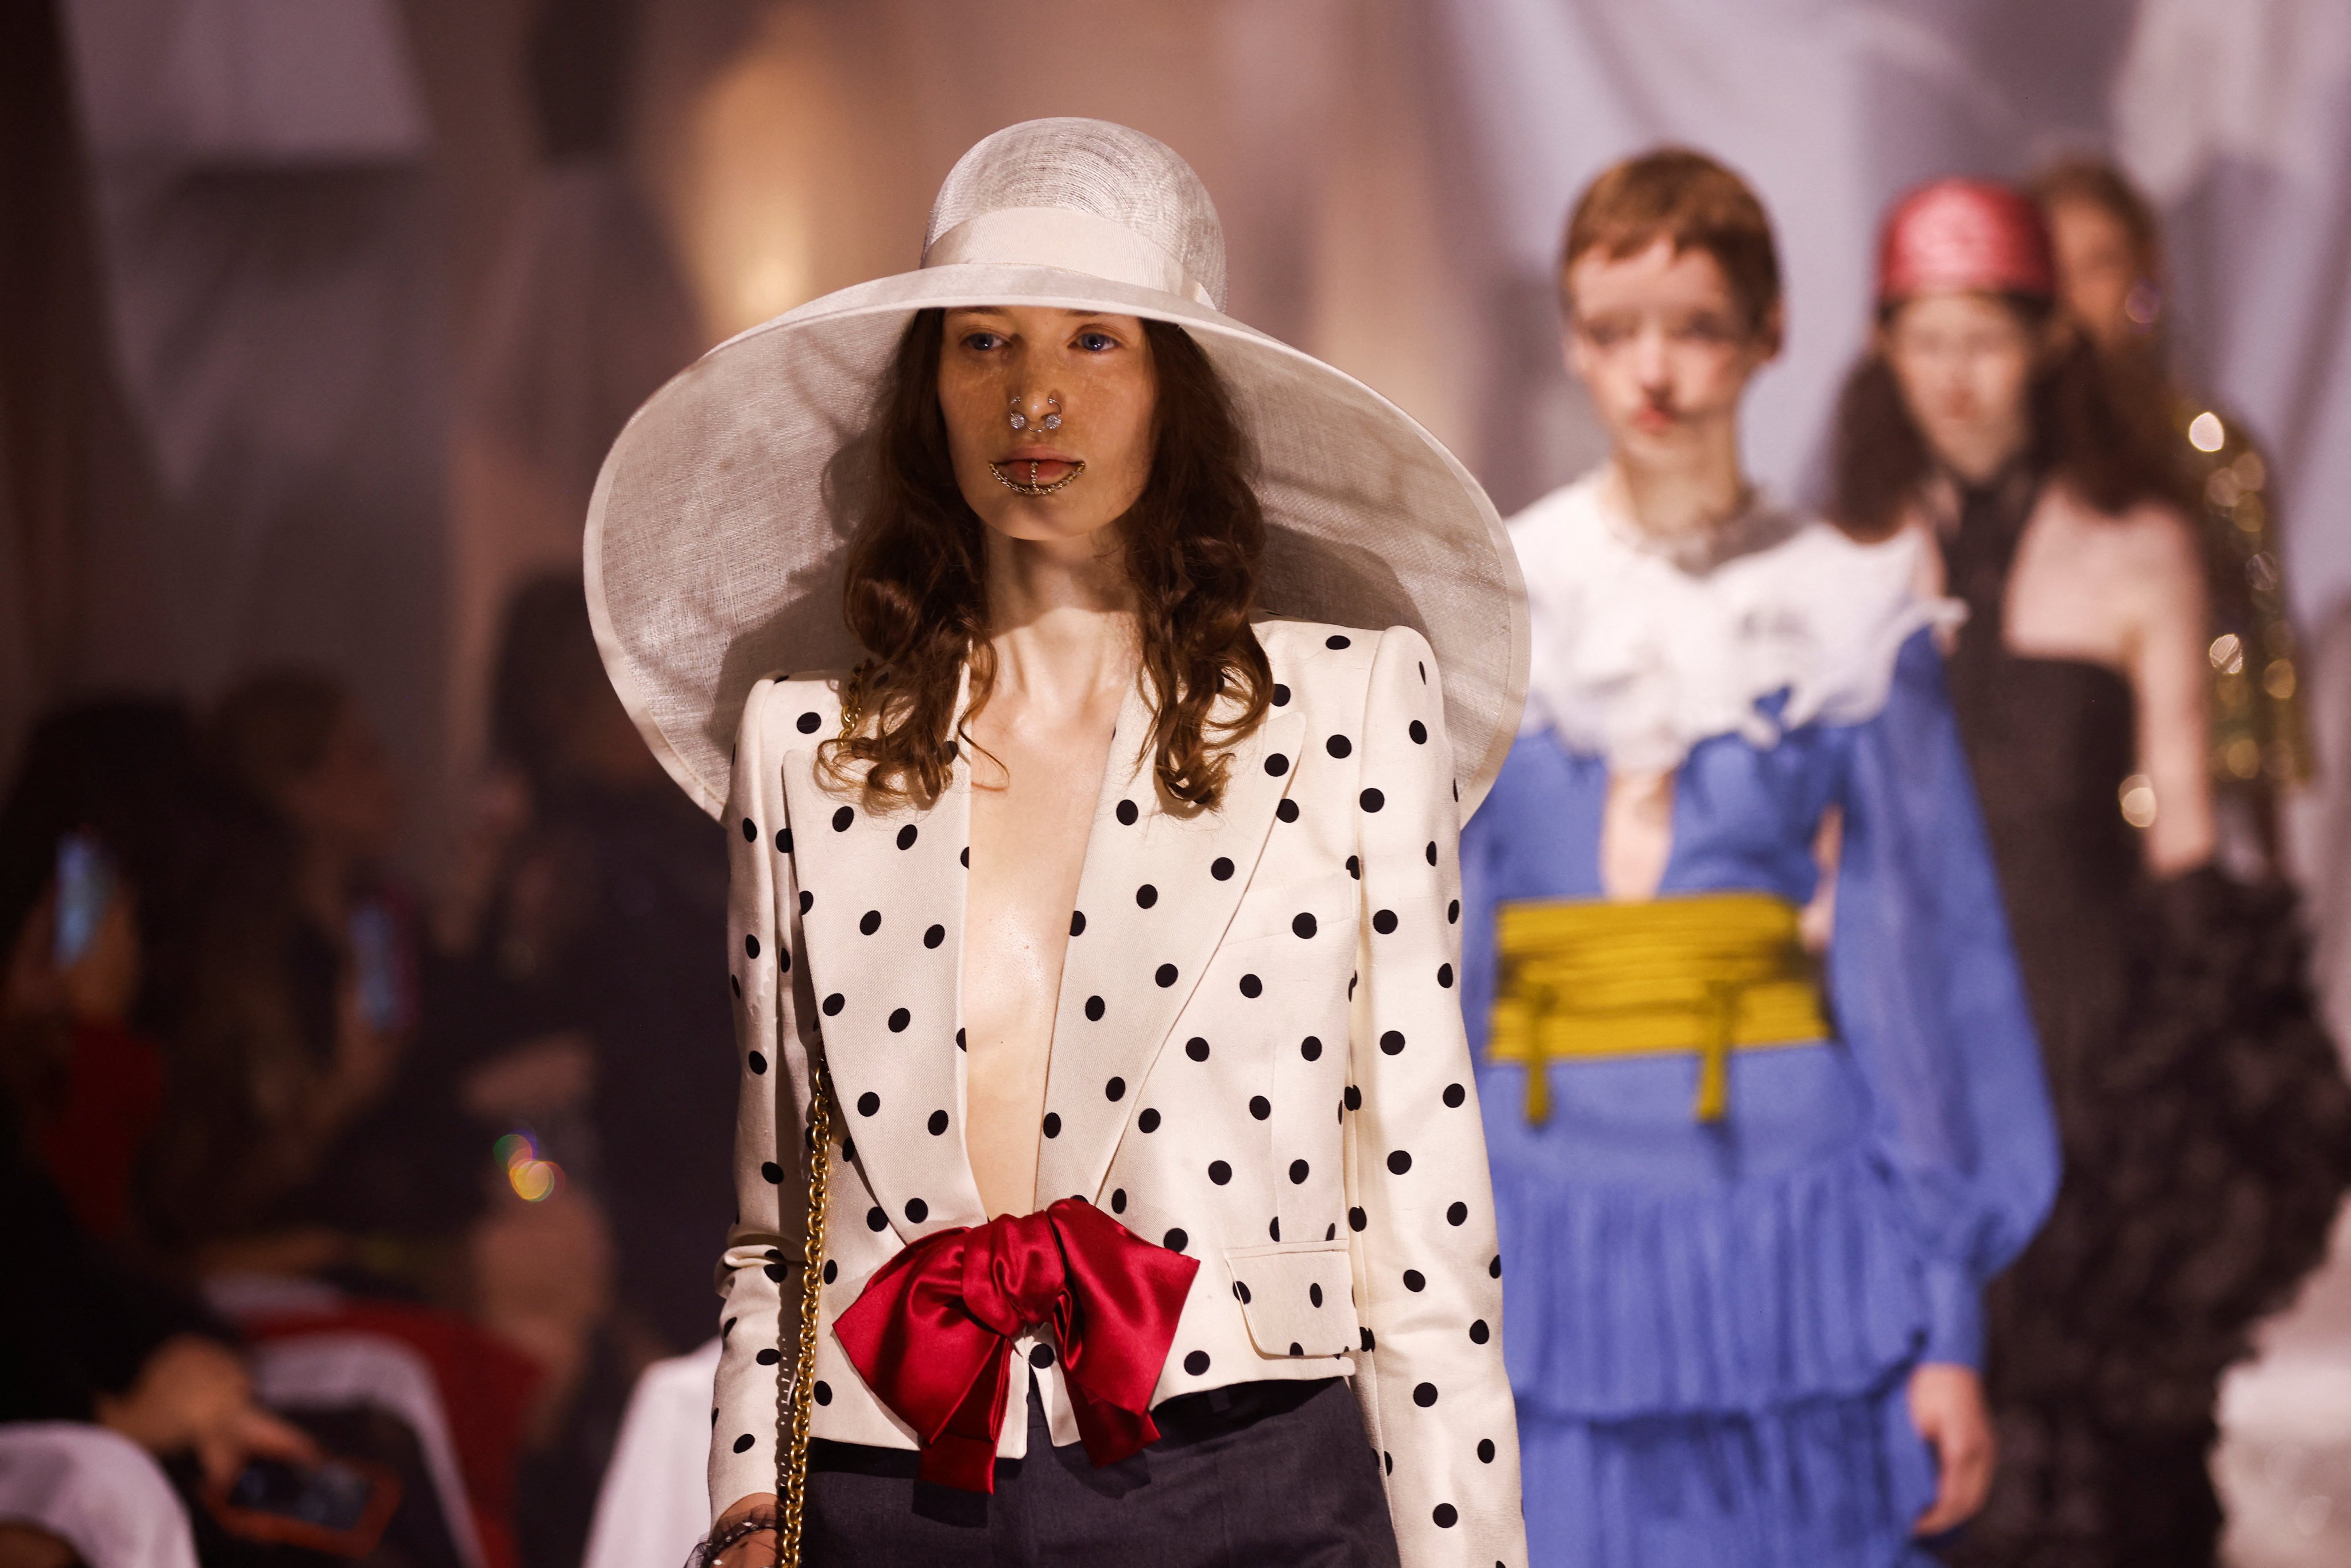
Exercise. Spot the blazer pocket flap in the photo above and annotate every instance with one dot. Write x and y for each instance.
(1297, 1300)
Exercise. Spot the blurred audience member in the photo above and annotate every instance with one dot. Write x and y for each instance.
(304, 1120)
(2108, 246)
(98, 868)
(596, 924)
(575, 936)
(86, 1337)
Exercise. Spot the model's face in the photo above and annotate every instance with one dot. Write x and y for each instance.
(1664, 346)
(2097, 270)
(1092, 373)
(1965, 363)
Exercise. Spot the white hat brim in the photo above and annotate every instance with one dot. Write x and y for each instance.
(715, 545)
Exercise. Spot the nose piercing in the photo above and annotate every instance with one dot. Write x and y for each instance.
(1052, 420)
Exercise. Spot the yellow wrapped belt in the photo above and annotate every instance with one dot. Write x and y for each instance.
(1706, 974)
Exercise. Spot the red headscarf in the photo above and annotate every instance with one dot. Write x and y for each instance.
(1964, 235)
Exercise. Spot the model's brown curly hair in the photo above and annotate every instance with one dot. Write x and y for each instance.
(916, 595)
(2080, 434)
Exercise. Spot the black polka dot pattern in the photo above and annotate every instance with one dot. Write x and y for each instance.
(1211, 948)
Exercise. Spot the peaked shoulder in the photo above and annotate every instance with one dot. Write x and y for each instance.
(784, 712)
(1319, 666)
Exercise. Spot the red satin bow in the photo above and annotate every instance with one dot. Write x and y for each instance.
(932, 1332)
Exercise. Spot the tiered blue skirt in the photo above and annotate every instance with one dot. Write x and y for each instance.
(1709, 1329)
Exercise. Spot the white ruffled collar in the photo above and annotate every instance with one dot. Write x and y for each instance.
(1637, 655)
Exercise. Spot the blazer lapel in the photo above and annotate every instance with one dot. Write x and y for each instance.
(1156, 894)
(881, 926)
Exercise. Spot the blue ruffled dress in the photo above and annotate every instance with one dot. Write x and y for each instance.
(1709, 1327)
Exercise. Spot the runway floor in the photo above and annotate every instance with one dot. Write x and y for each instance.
(2284, 1459)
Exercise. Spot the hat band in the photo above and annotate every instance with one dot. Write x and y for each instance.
(1071, 241)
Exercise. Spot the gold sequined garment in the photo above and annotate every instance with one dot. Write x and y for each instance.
(2259, 741)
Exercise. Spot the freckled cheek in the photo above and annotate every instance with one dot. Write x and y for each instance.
(1122, 436)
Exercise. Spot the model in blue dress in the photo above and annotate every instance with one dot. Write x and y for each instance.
(1761, 1131)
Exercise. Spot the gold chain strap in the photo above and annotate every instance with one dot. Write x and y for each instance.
(795, 1409)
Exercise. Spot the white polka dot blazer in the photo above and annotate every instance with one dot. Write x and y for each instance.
(1258, 1061)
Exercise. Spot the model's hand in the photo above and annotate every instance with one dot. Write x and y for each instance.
(760, 1548)
(1947, 1405)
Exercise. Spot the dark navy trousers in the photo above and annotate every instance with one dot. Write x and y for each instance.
(1260, 1474)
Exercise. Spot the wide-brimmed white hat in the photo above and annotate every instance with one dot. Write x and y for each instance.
(716, 548)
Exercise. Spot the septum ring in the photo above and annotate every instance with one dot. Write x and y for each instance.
(1077, 466)
(1052, 420)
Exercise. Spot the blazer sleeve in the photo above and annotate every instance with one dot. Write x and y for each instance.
(760, 1273)
(1429, 1374)
(1928, 998)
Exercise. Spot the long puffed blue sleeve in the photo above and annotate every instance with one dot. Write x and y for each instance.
(1924, 981)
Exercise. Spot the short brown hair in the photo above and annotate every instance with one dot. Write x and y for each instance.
(1685, 196)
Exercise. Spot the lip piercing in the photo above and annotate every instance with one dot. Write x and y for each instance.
(1077, 466)
(1052, 420)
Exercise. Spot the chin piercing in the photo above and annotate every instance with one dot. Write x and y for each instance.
(1077, 466)
(1052, 420)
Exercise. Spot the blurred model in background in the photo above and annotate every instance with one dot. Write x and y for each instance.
(2206, 1124)
(1748, 1209)
(2108, 248)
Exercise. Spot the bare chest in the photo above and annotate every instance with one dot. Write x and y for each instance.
(1031, 815)
(2071, 593)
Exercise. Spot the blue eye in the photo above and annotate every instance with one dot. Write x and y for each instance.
(1096, 343)
(983, 341)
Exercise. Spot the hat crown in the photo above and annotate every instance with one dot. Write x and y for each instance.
(1965, 235)
(1099, 169)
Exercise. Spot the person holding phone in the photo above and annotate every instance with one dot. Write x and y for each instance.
(1105, 1104)
(1750, 1191)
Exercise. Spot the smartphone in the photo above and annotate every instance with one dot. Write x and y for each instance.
(337, 1506)
(85, 891)
(379, 963)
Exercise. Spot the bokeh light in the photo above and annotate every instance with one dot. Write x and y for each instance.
(534, 1180)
